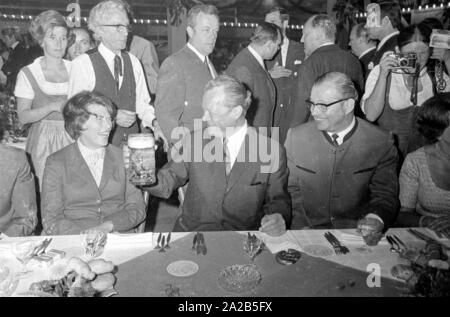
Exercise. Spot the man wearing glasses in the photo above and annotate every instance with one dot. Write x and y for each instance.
(342, 168)
(111, 71)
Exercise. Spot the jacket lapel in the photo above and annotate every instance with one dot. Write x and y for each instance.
(81, 168)
(108, 168)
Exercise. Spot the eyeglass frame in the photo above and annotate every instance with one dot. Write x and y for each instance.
(119, 27)
(322, 106)
(99, 117)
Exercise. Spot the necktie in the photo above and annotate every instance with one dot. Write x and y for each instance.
(226, 157)
(335, 137)
(117, 70)
(207, 67)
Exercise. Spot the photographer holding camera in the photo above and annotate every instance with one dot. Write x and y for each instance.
(397, 87)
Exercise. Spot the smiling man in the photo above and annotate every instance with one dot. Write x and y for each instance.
(113, 72)
(183, 75)
(342, 168)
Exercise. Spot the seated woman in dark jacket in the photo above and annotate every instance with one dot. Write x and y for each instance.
(85, 185)
(425, 175)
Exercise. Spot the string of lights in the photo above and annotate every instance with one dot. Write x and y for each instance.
(147, 21)
(408, 10)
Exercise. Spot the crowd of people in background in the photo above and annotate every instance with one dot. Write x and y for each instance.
(359, 139)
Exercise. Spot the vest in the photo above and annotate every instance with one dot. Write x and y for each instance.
(124, 98)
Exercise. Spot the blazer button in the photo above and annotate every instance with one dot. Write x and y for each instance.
(99, 210)
(281, 105)
(98, 201)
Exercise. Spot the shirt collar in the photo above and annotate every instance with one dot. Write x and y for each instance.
(386, 38)
(366, 51)
(257, 56)
(325, 44)
(238, 135)
(200, 55)
(107, 54)
(344, 132)
(14, 45)
(285, 43)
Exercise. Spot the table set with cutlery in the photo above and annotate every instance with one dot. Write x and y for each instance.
(202, 263)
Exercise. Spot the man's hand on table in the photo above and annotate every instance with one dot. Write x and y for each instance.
(371, 229)
(273, 225)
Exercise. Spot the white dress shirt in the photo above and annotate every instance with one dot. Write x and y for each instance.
(284, 50)
(202, 58)
(257, 56)
(82, 77)
(370, 49)
(234, 142)
(343, 133)
(94, 160)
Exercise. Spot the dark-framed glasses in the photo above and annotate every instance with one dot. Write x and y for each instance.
(101, 118)
(120, 27)
(323, 106)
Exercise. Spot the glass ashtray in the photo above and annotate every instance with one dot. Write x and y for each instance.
(93, 242)
(239, 278)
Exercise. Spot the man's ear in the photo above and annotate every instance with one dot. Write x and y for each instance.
(237, 111)
(190, 31)
(385, 21)
(349, 105)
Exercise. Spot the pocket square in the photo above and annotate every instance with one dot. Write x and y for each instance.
(297, 62)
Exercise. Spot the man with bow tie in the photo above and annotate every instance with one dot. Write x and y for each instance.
(232, 183)
(111, 71)
(342, 168)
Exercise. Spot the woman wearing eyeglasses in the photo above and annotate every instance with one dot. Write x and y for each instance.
(394, 93)
(41, 90)
(85, 185)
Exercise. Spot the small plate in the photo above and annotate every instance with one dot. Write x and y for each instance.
(182, 268)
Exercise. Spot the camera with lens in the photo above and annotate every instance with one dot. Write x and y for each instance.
(405, 60)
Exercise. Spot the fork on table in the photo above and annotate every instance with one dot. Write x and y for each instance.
(338, 247)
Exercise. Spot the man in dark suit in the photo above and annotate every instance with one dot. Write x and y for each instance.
(283, 68)
(342, 168)
(18, 56)
(362, 46)
(232, 185)
(387, 32)
(322, 56)
(248, 66)
(183, 75)
(18, 208)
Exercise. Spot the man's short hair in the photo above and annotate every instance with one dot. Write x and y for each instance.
(235, 92)
(341, 82)
(195, 10)
(284, 15)
(326, 24)
(45, 21)
(265, 32)
(12, 31)
(101, 13)
(75, 111)
(391, 10)
(361, 32)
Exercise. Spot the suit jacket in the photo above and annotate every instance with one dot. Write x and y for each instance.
(246, 69)
(72, 201)
(179, 91)
(18, 58)
(365, 61)
(285, 85)
(145, 51)
(329, 184)
(213, 202)
(328, 58)
(18, 208)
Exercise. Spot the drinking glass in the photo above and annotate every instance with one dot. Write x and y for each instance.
(23, 251)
